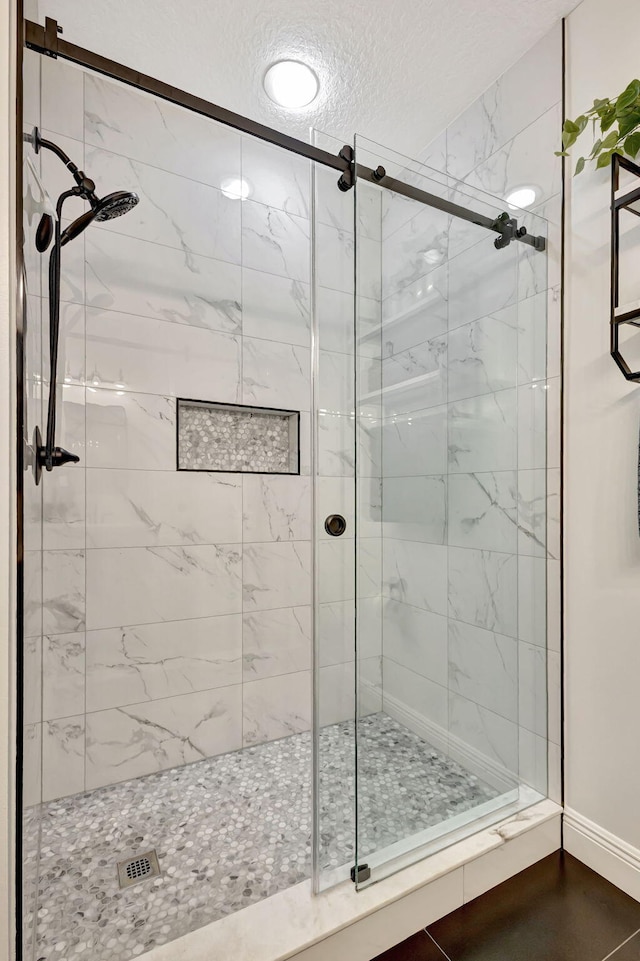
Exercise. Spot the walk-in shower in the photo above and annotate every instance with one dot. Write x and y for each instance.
(285, 617)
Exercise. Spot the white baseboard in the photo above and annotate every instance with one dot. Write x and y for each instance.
(603, 852)
(471, 758)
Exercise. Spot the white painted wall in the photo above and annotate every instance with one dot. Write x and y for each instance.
(7, 465)
(602, 416)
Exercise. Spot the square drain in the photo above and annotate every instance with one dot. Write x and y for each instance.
(137, 869)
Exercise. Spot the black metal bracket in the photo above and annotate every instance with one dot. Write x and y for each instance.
(348, 178)
(632, 315)
(361, 873)
(51, 32)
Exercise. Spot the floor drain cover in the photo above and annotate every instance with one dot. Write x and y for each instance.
(137, 869)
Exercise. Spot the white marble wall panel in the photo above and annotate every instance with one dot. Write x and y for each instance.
(275, 707)
(275, 241)
(336, 625)
(276, 177)
(145, 585)
(416, 639)
(276, 308)
(482, 281)
(336, 440)
(415, 443)
(63, 675)
(276, 508)
(276, 575)
(63, 756)
(415, 508)
(173, 211)
(482, 356)
(63, 589)
(275, 374)
(483, 511)
(526, 159)
(491, 735)
(417, 248)
(417, 378)
(532, 606)
(137, 277)
(336, 495)
(276, 642)
(336, 562)
(128, 430)
(416, 312)
(63, 509)
(415, 573)
(62, 98)
(335, 382)
(126, 352)
(483, 432)
(412, 690)
(153, 736)
(131, 508)
(148, 662)
(532, 675)
(336, 693)
(127, 122)
(511, 103)
(483, 667)
(483, 589)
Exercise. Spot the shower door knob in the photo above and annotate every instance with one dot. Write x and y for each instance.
(335, 524)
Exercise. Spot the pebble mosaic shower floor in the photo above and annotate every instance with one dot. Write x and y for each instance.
(229, 831)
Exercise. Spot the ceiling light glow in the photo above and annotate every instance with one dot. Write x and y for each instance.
(522, 197)
(235, 188)
(291, 84)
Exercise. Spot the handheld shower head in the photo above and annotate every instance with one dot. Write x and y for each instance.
(115, 205)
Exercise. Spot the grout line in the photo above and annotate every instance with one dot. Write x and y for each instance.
(441, 950)
(615, 951)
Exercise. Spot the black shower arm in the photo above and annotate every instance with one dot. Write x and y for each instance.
(86, 185)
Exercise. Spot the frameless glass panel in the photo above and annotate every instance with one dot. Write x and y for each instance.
(334, 485)
(450, 517)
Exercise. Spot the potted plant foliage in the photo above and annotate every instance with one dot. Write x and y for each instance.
(619, 123)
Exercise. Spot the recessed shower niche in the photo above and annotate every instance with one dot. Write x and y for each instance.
(236, 438)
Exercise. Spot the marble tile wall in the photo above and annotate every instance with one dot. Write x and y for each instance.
(177, 618)
(470, 428)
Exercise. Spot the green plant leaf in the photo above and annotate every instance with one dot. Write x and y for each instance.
(608, 118)
(595, 149)
(604, 160)
(600, 103)
(610, 140)
(579, 166)
(560, 153)
(632, 144)
(630, 122)
(628, 97)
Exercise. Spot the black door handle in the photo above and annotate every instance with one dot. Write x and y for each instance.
(335, 524)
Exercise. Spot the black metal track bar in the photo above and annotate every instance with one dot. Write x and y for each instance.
(440, 203)
(47, 40)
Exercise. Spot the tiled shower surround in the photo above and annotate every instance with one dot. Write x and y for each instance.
(470, 438)
(177, 619)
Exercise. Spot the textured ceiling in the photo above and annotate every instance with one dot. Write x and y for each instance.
(396, 71)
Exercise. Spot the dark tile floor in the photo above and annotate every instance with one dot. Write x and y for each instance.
(556, 910)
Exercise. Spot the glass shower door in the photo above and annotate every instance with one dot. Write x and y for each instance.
(450, 516)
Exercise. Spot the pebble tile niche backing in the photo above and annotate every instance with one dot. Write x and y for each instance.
(224, 437)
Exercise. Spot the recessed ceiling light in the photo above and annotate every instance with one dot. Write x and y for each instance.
(235, 188)
(522, 197)
(290, 83)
